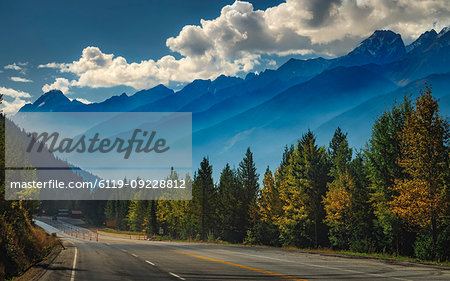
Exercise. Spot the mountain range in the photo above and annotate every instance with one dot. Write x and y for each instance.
(271, 109)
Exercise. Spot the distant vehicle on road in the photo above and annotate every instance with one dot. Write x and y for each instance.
(54, 218)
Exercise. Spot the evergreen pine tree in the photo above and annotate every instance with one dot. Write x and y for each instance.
(230, 205)
(248, 180)
(204, 198)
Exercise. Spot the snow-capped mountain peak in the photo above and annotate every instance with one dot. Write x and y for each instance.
(383, 46)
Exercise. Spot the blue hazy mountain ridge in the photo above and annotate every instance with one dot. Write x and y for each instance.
(124, 103)
(381, 47)
(274, 123)
(332, 91)
(208, 100)
(268, 110)
(51, 101)
(358, 121)
(257, 89)
(197, 89)
(56, 101)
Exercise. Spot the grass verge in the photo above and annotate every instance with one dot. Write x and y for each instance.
(25, 249)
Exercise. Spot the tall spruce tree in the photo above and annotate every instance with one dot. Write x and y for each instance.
(230, 206)
(340, 153)
(308, 172)
(248, 180)
(204, 198)
(363, 238)
(338, 200)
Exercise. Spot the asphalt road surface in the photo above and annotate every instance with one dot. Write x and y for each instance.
(115, 258)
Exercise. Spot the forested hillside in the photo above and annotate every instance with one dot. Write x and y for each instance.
(21, 243)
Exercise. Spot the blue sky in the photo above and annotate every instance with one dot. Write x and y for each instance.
(95, 49)
(38, 32)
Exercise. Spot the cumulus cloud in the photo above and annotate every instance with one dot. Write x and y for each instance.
(97, 69)
(321, 11)
(20, 79)
(306, 26)
(17, 98)
(49, 65)
(13, 93)
(240, 36)
(12, 107)
(61, 84)
(13, 66)
(20, 66)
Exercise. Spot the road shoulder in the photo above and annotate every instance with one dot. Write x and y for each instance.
(35, 272)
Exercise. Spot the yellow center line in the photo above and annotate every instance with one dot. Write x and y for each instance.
(241, 266)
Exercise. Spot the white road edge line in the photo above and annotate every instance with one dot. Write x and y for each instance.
(134, 255)
(124, 250)
(174, 275)
(150, 262)
(74, 265)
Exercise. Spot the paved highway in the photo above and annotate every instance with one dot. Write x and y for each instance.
(115, 258)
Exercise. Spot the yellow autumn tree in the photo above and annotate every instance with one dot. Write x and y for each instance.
(269, 202)
(338, 208)
(421, 197)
